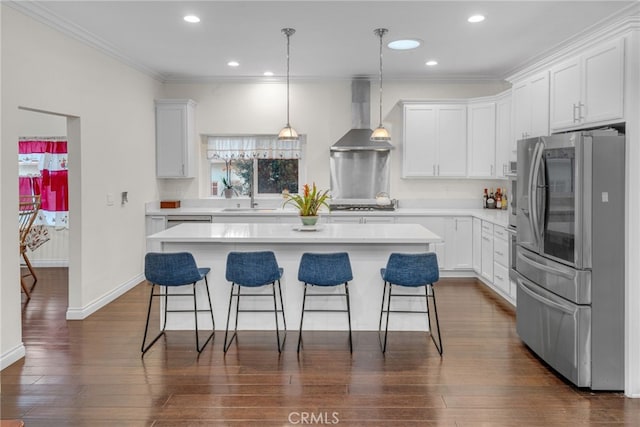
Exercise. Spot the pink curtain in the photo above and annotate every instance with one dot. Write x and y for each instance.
(48, 158)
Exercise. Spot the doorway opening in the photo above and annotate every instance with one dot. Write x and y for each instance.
(59, 257)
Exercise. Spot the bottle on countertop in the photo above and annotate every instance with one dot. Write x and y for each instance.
(485, 196)
(504, 199)
(498, 198)
(491, 201)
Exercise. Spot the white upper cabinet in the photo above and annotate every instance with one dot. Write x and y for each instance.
(175, 138)
(588, 89)
(434, 137)
(505, 143)
(530, 102)
(481, 140)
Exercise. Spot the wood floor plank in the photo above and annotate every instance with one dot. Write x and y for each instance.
(90, 372)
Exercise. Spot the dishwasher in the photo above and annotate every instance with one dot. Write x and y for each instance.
(173, 220)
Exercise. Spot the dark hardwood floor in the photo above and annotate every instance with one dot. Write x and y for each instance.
(90, 373)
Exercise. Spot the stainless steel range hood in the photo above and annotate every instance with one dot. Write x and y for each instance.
(358, 137)
(359, 166)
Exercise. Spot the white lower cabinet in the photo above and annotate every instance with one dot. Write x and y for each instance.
(486, 266)
(434, 224)
(455, 253)
(476, 256)
(491, 258)
(501, 280)
(458, 243)
(374, 219)
(260, 219)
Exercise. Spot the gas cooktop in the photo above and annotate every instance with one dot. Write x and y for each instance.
(360, 205)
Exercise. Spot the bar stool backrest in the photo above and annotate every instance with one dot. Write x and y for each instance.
(171, 269)
(252, 268)
(328, 269)
(412, 269)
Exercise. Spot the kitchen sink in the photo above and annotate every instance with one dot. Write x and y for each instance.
(256, 210)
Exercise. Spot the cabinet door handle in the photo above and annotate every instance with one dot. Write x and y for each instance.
(575, 117)
(498, 276)
(491, 170)
(486, 238)
(499, 253)
(580, 107)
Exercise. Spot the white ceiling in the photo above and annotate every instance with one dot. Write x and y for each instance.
(334, 39)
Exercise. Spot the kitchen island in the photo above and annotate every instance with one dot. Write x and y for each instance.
(368, 245)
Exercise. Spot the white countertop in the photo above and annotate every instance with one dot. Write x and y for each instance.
(499, 217)
(288, 233)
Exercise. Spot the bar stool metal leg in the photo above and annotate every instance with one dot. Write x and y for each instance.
(435, 311)
(346, 291)
(304, 300)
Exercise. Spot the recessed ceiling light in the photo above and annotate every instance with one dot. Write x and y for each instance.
(233, 64)
(476, 18)
(404, 44)
(268, 73)
(192, 19)
(431, 63)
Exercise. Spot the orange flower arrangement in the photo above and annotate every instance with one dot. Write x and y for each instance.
(309, 201)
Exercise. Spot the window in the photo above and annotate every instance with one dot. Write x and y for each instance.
(260, 162)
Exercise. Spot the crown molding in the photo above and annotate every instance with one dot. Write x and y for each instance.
(617, 25)
(45, 16)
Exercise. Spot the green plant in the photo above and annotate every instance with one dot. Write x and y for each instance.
(309, 201)
(226, 183)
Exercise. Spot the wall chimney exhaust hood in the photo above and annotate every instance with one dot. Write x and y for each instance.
(358, 138)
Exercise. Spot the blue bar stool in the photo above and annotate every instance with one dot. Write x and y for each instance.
(173, 270)
(412, 271)
(253, 270)
(331, 269)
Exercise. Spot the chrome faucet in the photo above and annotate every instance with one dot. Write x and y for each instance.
(252, 200)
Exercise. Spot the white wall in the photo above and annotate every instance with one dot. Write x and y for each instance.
(322, 111)
(113, 105)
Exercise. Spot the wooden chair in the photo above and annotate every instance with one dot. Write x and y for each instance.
(29, 206)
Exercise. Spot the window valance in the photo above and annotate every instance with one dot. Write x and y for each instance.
(252, 147)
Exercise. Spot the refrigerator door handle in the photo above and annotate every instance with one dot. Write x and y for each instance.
(543, 267)
(533, 191)
(562, 307)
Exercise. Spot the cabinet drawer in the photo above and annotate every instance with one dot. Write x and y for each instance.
(501, 278)
(501, 252)
(500, 232)
(487, 227)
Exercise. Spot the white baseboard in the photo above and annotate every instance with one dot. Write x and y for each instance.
(12, 356)
(89, 309)
(49, 263)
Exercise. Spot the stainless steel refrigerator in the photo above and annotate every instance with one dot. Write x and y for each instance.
(570, 254)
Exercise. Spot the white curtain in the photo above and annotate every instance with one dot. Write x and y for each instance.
(252, 147)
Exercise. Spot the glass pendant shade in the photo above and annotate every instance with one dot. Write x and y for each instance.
(380, 134)
(288, 133)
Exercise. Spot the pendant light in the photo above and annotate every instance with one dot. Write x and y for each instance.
(288, 133)
(380, 134)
